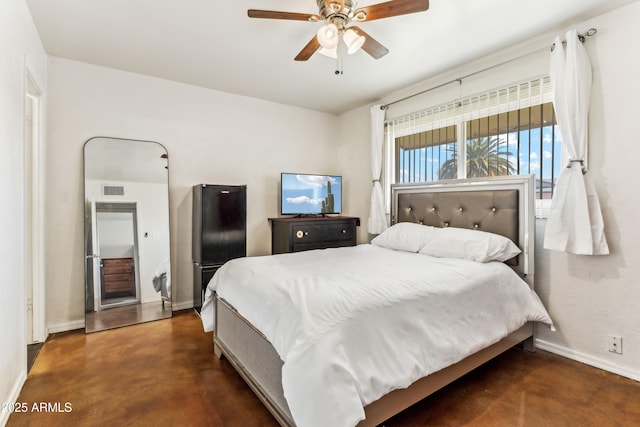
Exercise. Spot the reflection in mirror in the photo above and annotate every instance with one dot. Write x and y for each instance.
(127, 250)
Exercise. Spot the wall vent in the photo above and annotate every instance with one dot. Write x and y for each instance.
(112, 190)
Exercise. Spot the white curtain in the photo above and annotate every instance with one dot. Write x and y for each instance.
(377, 222)
(575, 221)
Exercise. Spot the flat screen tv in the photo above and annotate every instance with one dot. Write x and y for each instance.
(306, 194)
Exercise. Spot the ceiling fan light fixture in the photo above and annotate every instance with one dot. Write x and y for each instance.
(328, 36)
(336, 16)
(331, 53)
(353, 41)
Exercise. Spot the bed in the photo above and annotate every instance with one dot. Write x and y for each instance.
(355, 335)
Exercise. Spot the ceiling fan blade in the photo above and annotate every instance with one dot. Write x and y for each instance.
(371, 45)
(309, 49)
(274, 14)
(390, 8)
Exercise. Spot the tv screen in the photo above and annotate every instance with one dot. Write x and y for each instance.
(305, 194)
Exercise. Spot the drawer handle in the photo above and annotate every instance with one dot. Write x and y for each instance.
(344, 231)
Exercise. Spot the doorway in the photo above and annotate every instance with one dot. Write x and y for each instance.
(33, 218)
(117, 281)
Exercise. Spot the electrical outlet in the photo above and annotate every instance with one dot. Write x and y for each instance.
(615, 344)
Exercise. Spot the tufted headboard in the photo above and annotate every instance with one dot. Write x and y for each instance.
(501, 205)
(493, 211)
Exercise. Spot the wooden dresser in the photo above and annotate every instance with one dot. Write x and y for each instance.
(118, 278)
(303, 234)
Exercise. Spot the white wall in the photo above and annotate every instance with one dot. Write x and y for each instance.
(354, 160)
(588, 297)
(591, 297)
(20, 49)
(211, 137)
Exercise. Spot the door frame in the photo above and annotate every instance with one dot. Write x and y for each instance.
(33, 190)
(116, 207)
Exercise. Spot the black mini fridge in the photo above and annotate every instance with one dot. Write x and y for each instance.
(219, 231)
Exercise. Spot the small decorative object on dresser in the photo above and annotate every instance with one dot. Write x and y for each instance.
(303, 234)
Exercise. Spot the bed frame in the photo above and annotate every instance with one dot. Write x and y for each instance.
(502, 205)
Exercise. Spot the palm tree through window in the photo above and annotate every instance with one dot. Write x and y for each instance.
(484, 157)
(523, 141)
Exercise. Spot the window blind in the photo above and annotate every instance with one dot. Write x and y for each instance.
(513, 97)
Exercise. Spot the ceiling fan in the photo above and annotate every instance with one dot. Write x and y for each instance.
(337, 16)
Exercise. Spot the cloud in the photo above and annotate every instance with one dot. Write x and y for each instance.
(534, 166)
(303, 200)
(315, 180)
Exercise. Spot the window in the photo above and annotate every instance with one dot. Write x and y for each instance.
(421, 156)
(506, 132)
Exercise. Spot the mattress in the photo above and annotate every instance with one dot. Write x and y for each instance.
(352, 324)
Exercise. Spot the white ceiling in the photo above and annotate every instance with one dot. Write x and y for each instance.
(213, 44)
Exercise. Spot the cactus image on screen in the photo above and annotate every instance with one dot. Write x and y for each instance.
(327, 203)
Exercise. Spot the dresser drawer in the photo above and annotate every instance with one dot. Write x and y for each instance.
(126, 262)
(325, 232)
(126, 285)
(117, 265)
(116, 269)
(341, 231)
(307, 233)
(117, 277)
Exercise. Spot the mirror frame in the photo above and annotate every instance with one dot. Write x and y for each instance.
(127, 309)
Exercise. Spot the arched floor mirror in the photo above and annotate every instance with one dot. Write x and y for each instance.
(127, 247)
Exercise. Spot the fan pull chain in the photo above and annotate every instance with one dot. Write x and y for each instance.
(340, 53)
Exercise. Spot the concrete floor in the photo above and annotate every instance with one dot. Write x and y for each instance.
(164, 373)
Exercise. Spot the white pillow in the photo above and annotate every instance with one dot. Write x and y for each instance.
(475, 245)
(405, 236)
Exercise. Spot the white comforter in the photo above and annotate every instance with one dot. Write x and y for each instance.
(352, 324)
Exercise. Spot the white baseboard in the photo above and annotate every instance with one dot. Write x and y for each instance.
(588, 359)
(184, 305)
(66, 326)
(13, 397)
